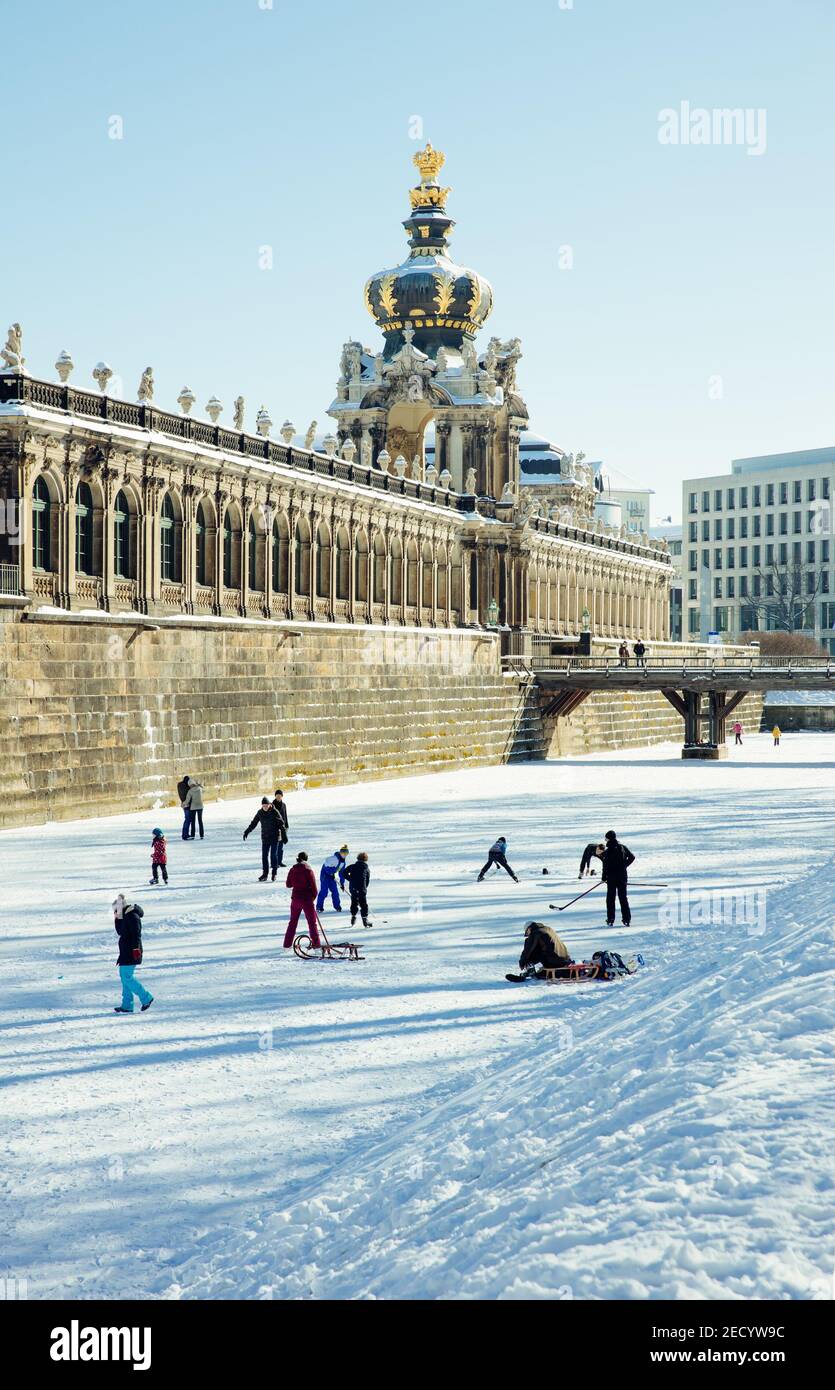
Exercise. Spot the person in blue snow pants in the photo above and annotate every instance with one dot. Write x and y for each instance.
(332, 869)
(130, 987)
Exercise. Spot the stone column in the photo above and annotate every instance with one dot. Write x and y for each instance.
(221, 500)
(189, 547)
(456, 457)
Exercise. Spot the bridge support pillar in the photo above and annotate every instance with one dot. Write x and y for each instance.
(689, 706)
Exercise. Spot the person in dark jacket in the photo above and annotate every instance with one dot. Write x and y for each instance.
(497, 855)
(543, 947)
(616, 861)
(301, 880)
(268, 818)
(281, 810)
(589, 853)
(127, 919)
(358, 875)
(182, 791)
(640, 654)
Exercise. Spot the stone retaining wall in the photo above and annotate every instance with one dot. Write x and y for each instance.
(101, 716)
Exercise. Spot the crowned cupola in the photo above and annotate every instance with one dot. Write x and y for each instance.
(444, 303)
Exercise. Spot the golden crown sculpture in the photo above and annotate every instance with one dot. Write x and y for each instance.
(429, 162)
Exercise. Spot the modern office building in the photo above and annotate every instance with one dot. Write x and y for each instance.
(670, 532)
(758, 547)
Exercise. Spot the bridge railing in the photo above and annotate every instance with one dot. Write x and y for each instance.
(779, 667)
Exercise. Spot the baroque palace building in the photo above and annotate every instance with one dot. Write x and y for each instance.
(126, 508)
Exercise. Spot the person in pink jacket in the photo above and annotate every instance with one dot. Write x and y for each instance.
(301, 880)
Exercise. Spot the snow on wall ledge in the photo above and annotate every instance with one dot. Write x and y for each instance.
(668, 1141)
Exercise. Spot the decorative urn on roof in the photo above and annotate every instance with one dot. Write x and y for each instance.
(446, 304)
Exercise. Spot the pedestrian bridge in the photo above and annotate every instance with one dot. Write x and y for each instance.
(704, 691)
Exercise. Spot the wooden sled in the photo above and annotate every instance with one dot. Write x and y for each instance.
(329, 950)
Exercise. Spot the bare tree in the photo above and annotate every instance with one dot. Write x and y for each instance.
(788, 596)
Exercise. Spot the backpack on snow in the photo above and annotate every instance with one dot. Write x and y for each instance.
(611, 965)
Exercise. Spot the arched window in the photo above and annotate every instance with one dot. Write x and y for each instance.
(302, 557)
(428, 576)
(280, 555)
(361, 576)
(323, 561)
(232, 548)
(412, 574)
(343, 563)
(379, 569)
(122, 555)
(442, 577)
(171, 542)
(200, 545)
(41, 526)
(252, 565)
(396, 571)
(84, 529)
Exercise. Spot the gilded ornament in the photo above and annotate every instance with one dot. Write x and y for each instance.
(387, 299)
(445, 286)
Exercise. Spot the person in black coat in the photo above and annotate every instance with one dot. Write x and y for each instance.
(127, 920)
(281, 808)
(616, 861)
(592, 851)
(270, 822)
(358, 876)
(182, 792)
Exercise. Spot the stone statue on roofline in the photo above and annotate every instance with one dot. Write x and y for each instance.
(238, 414)
(311, 434)
(145, 394)
(12, 353)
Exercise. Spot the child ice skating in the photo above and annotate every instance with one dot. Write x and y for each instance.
(358, 875)
(301, 880)
(127, 920)
(159, 856)
(332, 869)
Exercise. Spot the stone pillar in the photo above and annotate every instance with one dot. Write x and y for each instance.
(456, 456)
(189, 548)
(221, 500)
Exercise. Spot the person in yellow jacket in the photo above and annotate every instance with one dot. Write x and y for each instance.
(776, 733)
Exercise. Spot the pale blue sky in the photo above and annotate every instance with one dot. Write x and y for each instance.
(290, 127)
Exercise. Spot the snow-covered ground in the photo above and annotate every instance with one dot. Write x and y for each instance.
(414, 1126)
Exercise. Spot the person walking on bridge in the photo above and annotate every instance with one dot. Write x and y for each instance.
(640, 654)
(623, 653)
(616, 861)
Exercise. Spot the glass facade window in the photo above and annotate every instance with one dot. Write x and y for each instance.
(731, 498)
(743, 497)
(693, 532)
(693, 622)
(757, 495)
(693, 562)
(717, 530)
(705, 530)
(730, 558)
(824, 552)
(769, 495)
(743, 557)
(811, 490)
(717, 559)
(692, 588)
(731, 589)
(743, 586)
(756, 522)
(797, 523)
(797, 494)
(824, 487)
(731, 531)
(717, 499)
(692, 502)
(797, 553)
(743, 526)
(717, 588)
(705, 501)
(769, 554)
(784, 494)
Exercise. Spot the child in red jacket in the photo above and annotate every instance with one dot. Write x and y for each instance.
(159, 856)
(301, 880)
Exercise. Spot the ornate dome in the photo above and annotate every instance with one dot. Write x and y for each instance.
(443, 302)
